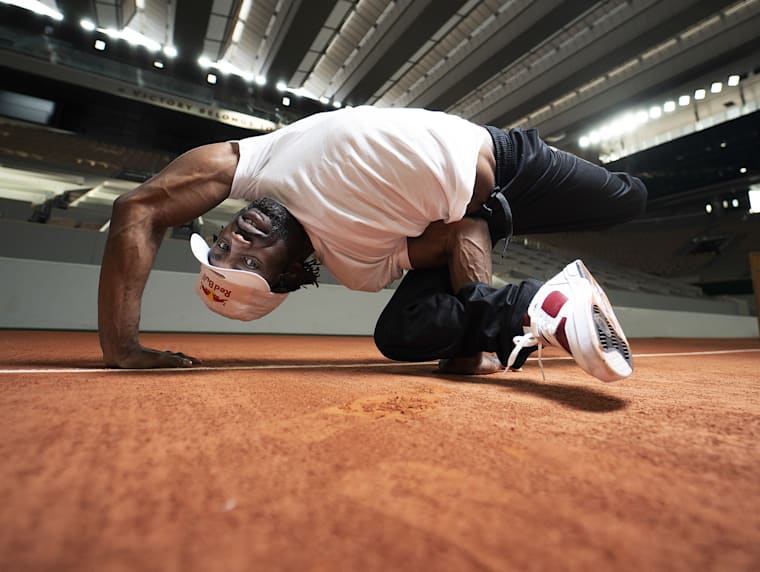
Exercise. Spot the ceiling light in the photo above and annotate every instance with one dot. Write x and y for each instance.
(754, 199)
(642, 117)
(708, 208)
(743, 170)
(158, 64)
(204, 62)
(211, 78)
(88, 25)
(716, 87)
(337, 104)
(669, 106)
(700, 94)
(735, 203)
(733, 80)
(170, 51)
(655, 111)
(100, 45)
(684, 100)
(629, 122)
(245, 9)
(593, 137)
(286, 101)
(226, 67)
(136, 38)
(238, 31)
(281, 86)
(36, 7)
(260, 80)
(725, 204)
(324, 100)
(584, 141)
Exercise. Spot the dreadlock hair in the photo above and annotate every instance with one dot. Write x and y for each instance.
(306, 275)
(311, 268)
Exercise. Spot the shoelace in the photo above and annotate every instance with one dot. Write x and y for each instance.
(528, 340)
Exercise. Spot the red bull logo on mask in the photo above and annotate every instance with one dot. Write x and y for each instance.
(214, 291)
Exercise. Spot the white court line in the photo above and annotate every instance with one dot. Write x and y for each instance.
(334, 366)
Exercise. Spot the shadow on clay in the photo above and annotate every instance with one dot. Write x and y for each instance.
(574, 396)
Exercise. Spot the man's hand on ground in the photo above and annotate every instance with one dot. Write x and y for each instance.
(145, 358)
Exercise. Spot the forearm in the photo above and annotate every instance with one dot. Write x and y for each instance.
(469, 256)
(464, 246)
(130, 251)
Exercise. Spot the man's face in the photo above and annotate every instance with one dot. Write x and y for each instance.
(255, 240)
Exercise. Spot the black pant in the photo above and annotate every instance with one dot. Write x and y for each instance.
(547, 190)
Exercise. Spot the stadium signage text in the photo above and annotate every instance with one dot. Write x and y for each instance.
(187, 106)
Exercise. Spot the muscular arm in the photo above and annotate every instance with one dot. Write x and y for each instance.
(464, 246)
(187, 188)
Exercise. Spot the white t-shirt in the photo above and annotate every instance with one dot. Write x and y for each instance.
(361, 180)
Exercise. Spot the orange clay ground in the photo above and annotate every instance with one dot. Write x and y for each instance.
(315, 453)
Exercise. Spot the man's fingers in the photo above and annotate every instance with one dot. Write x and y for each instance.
(178, 359)
(193, 360)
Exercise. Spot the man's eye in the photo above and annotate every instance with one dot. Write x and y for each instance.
(250, 262)
(222, 245)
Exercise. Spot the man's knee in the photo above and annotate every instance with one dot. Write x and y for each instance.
(636, 197)
(384, 337)
(641, 192)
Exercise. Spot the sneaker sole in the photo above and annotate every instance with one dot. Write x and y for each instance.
(600, 335)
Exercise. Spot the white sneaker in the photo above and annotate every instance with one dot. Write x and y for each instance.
(572, 311)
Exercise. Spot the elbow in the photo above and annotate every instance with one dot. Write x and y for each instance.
(126, 203)
(130, 211)
(129, 205)
(122, 206)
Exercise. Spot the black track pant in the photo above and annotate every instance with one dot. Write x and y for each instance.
(547, 190)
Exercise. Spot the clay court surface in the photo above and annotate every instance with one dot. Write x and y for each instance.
(315, 453)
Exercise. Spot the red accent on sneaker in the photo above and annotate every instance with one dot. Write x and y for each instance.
(562, 336)
(553, 303)
(526, 320)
